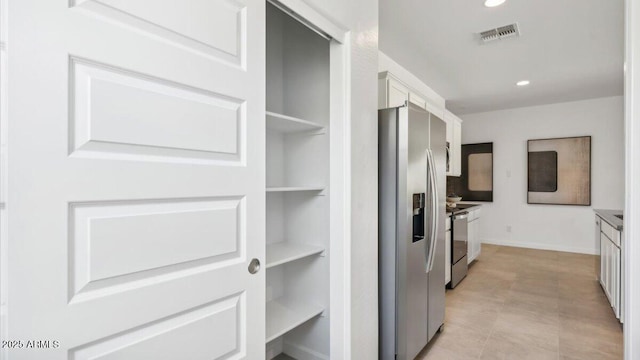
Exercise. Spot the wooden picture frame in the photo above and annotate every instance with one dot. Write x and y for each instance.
(559, 171)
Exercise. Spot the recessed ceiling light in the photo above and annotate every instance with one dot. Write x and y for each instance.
(523, 83)
(493, 3)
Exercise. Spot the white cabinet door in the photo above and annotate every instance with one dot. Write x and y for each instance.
(454, 138)
(476, 252)
(136, 178)
(456, 150)
(606, 265)
(609, 272)
(469, 242)
(417, 100)
(398, 94)
(603, 261)
(476, 239)
(472, 240)
(473, 232)
(447, 263)
(615, 287)
(621, 312)
(449, 121)
(598, 263)
(612, 274)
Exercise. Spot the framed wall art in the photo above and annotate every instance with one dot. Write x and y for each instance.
(559, 171)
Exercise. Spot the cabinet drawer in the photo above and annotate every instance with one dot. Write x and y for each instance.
(610, 232)
(474, 214)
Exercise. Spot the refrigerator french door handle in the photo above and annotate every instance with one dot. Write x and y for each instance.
(433, 219)
(448, 158)
(429, 219)
(435, 215)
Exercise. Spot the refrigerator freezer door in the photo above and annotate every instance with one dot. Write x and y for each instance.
(387, 230)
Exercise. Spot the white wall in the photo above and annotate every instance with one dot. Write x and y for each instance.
(555, 227)
(360, 17)
(632, 206)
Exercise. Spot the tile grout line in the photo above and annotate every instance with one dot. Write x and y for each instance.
(558, 312)
(488, 337)
(510, 284)
(496, 322)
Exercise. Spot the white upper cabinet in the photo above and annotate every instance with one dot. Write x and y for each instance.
(417, 100)
(449, 122)
(392, 92)
(456, 148)
(454, 138)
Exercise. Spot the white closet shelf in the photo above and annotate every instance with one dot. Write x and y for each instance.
(295, 189)
(289, 124)
(284, 252)
(284, 315)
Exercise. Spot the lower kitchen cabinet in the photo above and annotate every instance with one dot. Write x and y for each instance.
(447, 263)
(473, 227)
(611, 265)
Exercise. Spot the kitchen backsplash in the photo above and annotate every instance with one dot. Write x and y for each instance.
(453, 185)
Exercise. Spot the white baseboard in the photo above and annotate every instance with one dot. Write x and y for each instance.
(274, 348)
(539, 246)
(302, 353)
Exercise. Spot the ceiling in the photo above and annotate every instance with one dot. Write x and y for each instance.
(568, 49)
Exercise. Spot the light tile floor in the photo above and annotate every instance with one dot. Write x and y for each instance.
(528, 304)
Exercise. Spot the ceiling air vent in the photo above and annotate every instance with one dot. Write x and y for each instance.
(502, 32)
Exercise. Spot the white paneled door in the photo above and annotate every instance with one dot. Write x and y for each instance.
(136, 179)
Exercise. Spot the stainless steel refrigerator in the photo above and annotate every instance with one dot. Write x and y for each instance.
(412, 168)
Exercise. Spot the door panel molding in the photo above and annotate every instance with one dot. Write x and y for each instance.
(180, 123)
(172, 337)
(100, 231)
(216, 29)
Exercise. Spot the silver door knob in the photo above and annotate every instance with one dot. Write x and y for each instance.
(254, 266)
